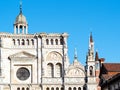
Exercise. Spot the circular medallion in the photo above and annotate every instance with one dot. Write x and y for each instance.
(23, 73)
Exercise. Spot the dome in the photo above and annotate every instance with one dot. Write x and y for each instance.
(20, 19)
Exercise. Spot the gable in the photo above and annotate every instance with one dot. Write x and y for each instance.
(22, 54)
(76, 72)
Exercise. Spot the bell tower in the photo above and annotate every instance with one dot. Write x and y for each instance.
(20, 24)
(90, 58)
(90, 66)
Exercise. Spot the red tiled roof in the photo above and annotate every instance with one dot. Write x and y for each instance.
(117, 76)
(106, 76)
(114, 67)
(110, 78)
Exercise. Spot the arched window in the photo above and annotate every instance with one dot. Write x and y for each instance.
(27, 88)
(20, 29)
(74, 88)
(79, 88)
(84, 88)
(50, 70)
(52, 88)
(61, 42)
(47, 88)
(57, 88)
(23, 88)
(47, 41)
(14, 41)
(91, 70)
(28, 43)
(32, 41)
(18, 41)
(69, 88)
(18, 88)
(56, 41)
(62, 88)
(51, 41)
(59, 70)
(23, 42)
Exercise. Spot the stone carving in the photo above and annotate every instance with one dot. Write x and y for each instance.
(54, 56)
(76, 72)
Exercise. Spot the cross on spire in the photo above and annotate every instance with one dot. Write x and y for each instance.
(75, 55)
(20, 6)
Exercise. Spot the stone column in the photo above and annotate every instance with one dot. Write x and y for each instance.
(18, 29)
(23, 30)
(14, 29)
(26, 30)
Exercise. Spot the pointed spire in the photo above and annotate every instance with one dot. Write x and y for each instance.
(91, 39)
(20, 6)
(91, 48)
(75, 54)
(96, 56)
(75, 62)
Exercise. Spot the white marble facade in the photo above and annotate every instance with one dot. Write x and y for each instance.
(40, 61)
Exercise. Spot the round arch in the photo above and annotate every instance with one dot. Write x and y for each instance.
(54, 56)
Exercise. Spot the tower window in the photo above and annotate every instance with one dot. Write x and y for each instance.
(14, 41)
(50, 70)
(52, 88)
(59, 70)
(47, 41)
(51, 41)
(61, 42)
(28, 43)
(18, 42)
(18, 88)
(23, 88)
(57, 88)
(56, 41)
(21, 27)
(47, 88)
(91, 70)
(74, 88)
(62, 88)
(32, 42)
(70, 88)
(84, 88)
(79, 88)
(23, 42)
(27, 88)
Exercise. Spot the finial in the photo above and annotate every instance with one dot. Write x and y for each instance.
(91, 39)
(75, 54)
(96, 56)
(20, 6)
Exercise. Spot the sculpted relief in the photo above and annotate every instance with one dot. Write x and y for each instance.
(76, 72)
(54, 56)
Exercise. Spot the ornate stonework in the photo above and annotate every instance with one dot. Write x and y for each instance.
(54, 56)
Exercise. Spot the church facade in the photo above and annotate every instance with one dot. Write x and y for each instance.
(41, 62)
